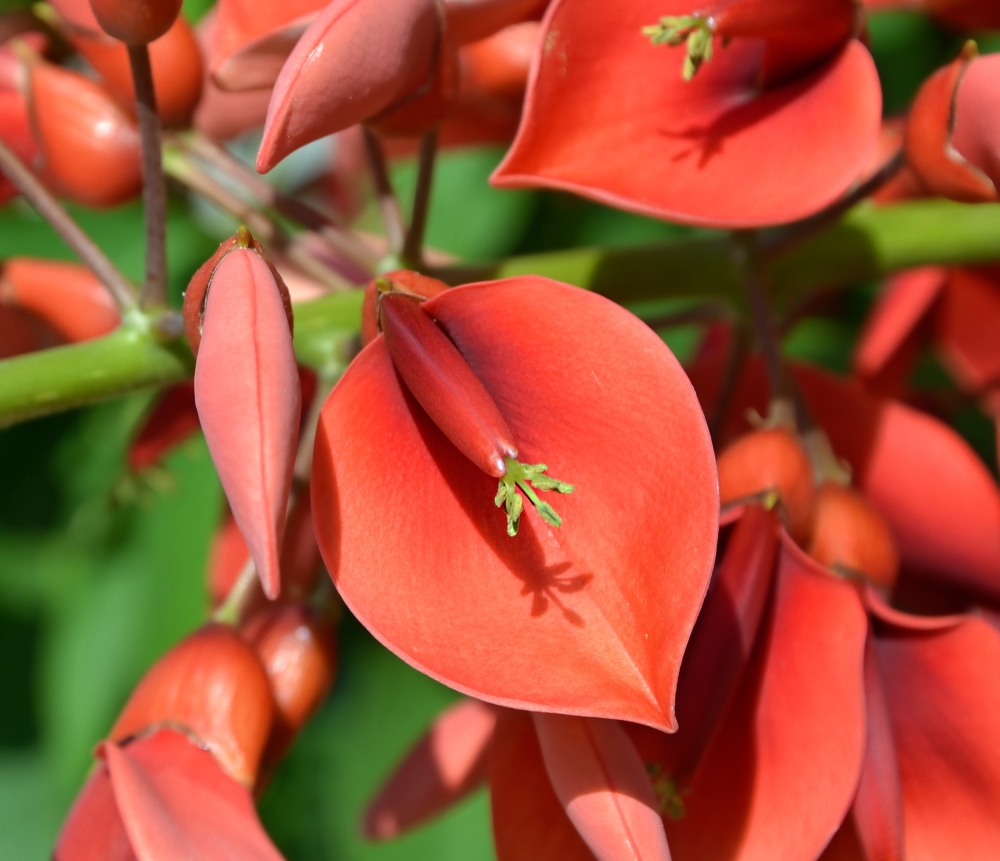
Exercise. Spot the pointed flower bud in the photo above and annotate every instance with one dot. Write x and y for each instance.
(136, 22)
(936, 125)
(237, 316)
(213, 686)
(355, 61)
(457, 402)
(90, 146)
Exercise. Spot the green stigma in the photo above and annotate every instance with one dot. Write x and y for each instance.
(669, 797)
(675, 30)
(523, 475)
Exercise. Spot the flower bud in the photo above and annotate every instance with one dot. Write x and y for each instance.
(438, 376)
(299, 653)
(67, 296)
(404, 281)
(237, 317)
(852, 538)
(766, 461)
(213, 686)
(933, 132)
(136, 22)
(89, 145)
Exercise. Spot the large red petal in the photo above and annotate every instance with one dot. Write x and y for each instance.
(944, 699)
(178, 805)
(966, 329)
(878, 807)
(444, 766)
(782, 772)
(905, 300)
(246, 386)
(93, 830)
(590, 618)
(603, 786)
(356, 59)
(529, 823)
(608, 116)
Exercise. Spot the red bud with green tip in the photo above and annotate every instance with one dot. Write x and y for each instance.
(67, 296)
(213, 686)
(247, 391)
(136, 22)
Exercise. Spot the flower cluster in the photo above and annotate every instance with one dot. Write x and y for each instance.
(733, 607)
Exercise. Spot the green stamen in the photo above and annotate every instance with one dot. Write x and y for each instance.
(523, 475)
(695, 30)
(669, 797)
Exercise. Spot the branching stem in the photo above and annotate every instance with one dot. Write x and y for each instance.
(82, 245)
(154, 186)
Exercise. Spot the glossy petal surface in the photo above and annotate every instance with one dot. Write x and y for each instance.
(444, 766)
(603, 786)
(590, 618)
(355, 60)
(976, 133)
(944, 700)
(178, 805)
(247, 391)
(93, 830)
(529, 823)
(608, 116)
(782, 772)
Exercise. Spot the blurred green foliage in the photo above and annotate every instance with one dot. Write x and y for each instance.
(101, 571)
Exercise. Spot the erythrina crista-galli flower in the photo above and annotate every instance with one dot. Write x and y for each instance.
(746, 141)
(587, 617)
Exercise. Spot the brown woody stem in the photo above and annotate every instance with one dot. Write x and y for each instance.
(413, 246)
(82, 245)
(392, 217)
(154, 186)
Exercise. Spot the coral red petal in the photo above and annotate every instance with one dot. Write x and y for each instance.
(905, 299)
(603, 786)
(722, 640)
(781, 774)
(67, 296)
(93, 830)
(944, 700)
(446, 764)
(354, 61)
(878, 807)
(240, 23)
(178, 805)
(529, 823)
(590, 618)
(247, 391)
(939, 498)
(608, 116)
(966, 327)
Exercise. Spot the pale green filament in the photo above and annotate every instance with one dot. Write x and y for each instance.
(675, 30)
(523, 475)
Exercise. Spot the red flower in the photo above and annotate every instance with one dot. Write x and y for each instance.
(588, 618)
(748, 141)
